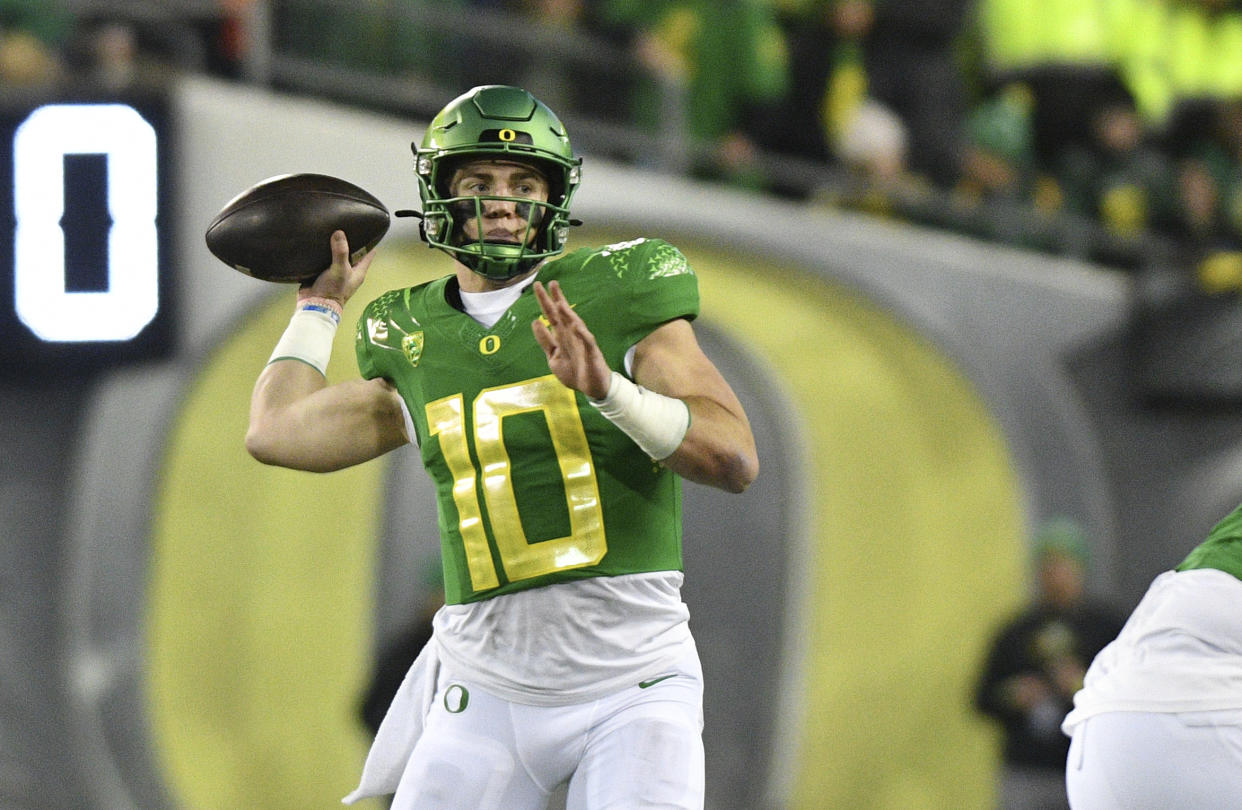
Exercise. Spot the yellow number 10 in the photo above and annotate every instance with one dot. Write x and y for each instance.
(585, 544)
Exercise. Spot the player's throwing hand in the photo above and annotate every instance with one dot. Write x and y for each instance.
(340, 281)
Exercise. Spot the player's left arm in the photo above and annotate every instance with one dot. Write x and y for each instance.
(717, 448)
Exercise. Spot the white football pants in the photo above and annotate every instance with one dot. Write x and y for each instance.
(640, 748)
(1141, 760)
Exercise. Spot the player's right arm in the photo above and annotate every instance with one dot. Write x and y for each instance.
(299, 421)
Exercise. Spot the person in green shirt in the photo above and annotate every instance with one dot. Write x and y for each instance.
(557, 401)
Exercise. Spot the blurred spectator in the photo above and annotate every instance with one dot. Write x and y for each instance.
(1064, 51)
(718, 71)
(1000, 147)
(1120, 177)
(1036, 663)
(1206, 142)
(229, 37)
(32, 38)
(126, 45)
(1004, 192)
(1200, 224)
(1115, 83)
(1162, 51)
(577, 67)
(548, 75)
(913, 67)
(25, 61)
(112, 55)
(872, 145)
(828, 77)
(1219, 147)
(899, 56)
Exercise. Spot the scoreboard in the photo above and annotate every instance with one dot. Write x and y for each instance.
(86, 219)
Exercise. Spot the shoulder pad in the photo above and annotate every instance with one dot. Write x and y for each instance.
(646, 258)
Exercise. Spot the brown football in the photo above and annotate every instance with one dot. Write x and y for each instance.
(279, 229)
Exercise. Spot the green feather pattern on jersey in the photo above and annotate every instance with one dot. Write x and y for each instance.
(534, 486)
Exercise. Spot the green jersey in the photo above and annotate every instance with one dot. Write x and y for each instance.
(1222, 549)
(533, 485)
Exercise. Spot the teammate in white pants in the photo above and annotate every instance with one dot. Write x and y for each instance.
(1158, 722)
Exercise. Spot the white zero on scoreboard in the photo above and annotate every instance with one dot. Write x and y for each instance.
(41, 296)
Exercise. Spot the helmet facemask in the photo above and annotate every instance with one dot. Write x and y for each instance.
(508, 125)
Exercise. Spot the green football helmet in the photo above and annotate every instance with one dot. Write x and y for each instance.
(501, 123)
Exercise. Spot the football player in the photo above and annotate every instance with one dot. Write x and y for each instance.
(557, 399)
(1158, 722)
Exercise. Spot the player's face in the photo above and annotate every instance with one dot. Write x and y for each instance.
(502, 220)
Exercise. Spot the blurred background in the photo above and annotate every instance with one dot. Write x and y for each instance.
(972, 265)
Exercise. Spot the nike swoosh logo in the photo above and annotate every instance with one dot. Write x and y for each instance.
(654, 681)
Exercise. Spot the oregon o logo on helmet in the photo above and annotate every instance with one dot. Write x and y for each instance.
(456, 699)
(507, 135)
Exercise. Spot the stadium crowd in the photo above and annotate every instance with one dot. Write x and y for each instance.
(1106, 129)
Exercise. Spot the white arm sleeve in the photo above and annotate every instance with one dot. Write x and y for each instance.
(656, 423)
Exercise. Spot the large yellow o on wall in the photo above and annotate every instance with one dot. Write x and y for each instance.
(259, 630)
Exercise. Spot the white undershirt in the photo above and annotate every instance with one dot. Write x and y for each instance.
(487, 307)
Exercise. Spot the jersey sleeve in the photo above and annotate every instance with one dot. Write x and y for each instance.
(660, 286)
(362, 348)
(376, 337)
(1222, 549)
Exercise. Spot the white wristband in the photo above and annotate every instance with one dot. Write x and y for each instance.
(656, 423)
(308, 338)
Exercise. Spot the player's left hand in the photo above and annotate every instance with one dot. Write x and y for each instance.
(573, 355)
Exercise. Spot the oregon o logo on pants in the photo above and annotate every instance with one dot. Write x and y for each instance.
(456, 698)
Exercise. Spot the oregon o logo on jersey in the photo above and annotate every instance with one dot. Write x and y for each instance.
(490, 344)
